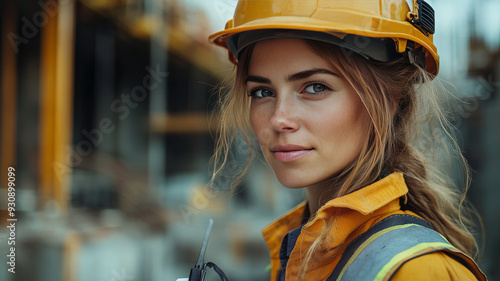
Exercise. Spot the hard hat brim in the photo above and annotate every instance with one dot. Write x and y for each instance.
(400, 32)
(379, 49)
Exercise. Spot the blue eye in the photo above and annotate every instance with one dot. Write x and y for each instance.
(315, 88)
(260, 93)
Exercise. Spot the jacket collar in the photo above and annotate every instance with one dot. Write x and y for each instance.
(372, 197)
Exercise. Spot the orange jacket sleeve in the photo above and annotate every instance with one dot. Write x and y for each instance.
(431, 267)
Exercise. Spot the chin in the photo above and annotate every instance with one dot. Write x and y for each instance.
(293, 182)
(292, 185)
(296, 179)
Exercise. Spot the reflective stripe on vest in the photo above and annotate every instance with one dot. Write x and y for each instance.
(379, 252)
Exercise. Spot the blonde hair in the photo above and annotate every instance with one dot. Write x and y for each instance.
(410, 133)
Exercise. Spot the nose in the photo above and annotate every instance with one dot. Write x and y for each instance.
(284, 118)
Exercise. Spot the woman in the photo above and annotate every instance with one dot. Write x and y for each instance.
(339, 96)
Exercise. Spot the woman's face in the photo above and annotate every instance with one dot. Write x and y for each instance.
(309, 121)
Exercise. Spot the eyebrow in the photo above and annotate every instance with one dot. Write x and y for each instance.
(293, 77)
(307, 73)
(257, 79)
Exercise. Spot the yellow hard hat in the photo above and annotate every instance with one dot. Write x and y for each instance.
(377, 29)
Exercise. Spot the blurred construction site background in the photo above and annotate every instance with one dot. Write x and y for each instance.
(108, 118)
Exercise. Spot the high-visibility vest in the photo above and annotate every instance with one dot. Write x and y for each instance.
(379, 252)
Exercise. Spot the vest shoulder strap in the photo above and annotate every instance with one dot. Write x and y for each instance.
(379, 252)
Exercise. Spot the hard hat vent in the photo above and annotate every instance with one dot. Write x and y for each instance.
(427, 17)
(424, 19)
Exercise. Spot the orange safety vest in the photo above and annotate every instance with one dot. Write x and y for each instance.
(355, 214)
(379, 252)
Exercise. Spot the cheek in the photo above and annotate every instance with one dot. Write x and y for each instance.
(357, 128)
(344, 127)
(258, 122)
(254, 122)
(337, 119)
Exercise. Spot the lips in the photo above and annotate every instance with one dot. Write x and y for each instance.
(290, 152)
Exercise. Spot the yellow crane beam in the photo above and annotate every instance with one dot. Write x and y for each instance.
(56, 107)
